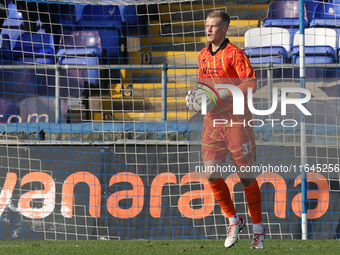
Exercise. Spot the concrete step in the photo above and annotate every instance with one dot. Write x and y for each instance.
(185, 43)
(197, 28)
(145, 104)
(185, 39)
(189, 46)
(171, 92)
(154, 75)
(159, 85)
(140, 90)
(147, 90)
(160, 57)
(180, 72)
(189, 11)
(135, 103)
(180, 26)
(140, 116)
(151, 79)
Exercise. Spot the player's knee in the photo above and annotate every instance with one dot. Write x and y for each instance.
(246, 182)
(212, 176)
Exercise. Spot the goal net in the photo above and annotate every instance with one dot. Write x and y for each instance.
(96, 140)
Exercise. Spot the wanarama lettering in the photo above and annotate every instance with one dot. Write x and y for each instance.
(135, 192)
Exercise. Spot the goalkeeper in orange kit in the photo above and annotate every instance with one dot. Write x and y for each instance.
(221, 62)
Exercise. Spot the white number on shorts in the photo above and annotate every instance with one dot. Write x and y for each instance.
(246, 148)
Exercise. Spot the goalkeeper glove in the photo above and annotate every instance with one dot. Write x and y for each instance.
(191, 102)
(211, 98)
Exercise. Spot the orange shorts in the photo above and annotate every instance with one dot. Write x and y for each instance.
(239, 141)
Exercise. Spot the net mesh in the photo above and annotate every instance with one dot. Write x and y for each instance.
(96, 139)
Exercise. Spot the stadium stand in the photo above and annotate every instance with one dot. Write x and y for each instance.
(134, 20)
(175, 40)
(78, 9)
(81, 48)
(34, 48)
(107, 21)
(157, 47)
(320, 46)
(284, 14)
(66, 17)
(14, 83)
(267, 44)
(17, 83)
(71, 83)
(12, 26)
(310, 7)
(326, 15)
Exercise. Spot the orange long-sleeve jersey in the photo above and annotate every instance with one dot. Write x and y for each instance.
(228, 65)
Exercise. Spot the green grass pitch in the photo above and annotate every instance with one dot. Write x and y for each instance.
(162, 247)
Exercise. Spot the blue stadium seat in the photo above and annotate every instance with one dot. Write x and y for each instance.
(34, 48)
(78, 8)
(40, 27)
(326, 15)
(81, 48)
(320, 46)
(37, 48)
(310, 6)
(130, 15)
(267, 44)
(12, 26)
(101, 15)
(106, 19)
(284, 14)
(14, 18)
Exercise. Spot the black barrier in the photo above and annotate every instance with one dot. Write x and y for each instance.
(67, 192)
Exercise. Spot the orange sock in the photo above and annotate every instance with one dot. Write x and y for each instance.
(222, 195)
(253, 196)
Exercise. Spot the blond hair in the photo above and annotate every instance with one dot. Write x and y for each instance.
(220, 14)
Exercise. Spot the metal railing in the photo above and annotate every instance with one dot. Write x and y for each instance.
(57, 68)
(270, 67)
